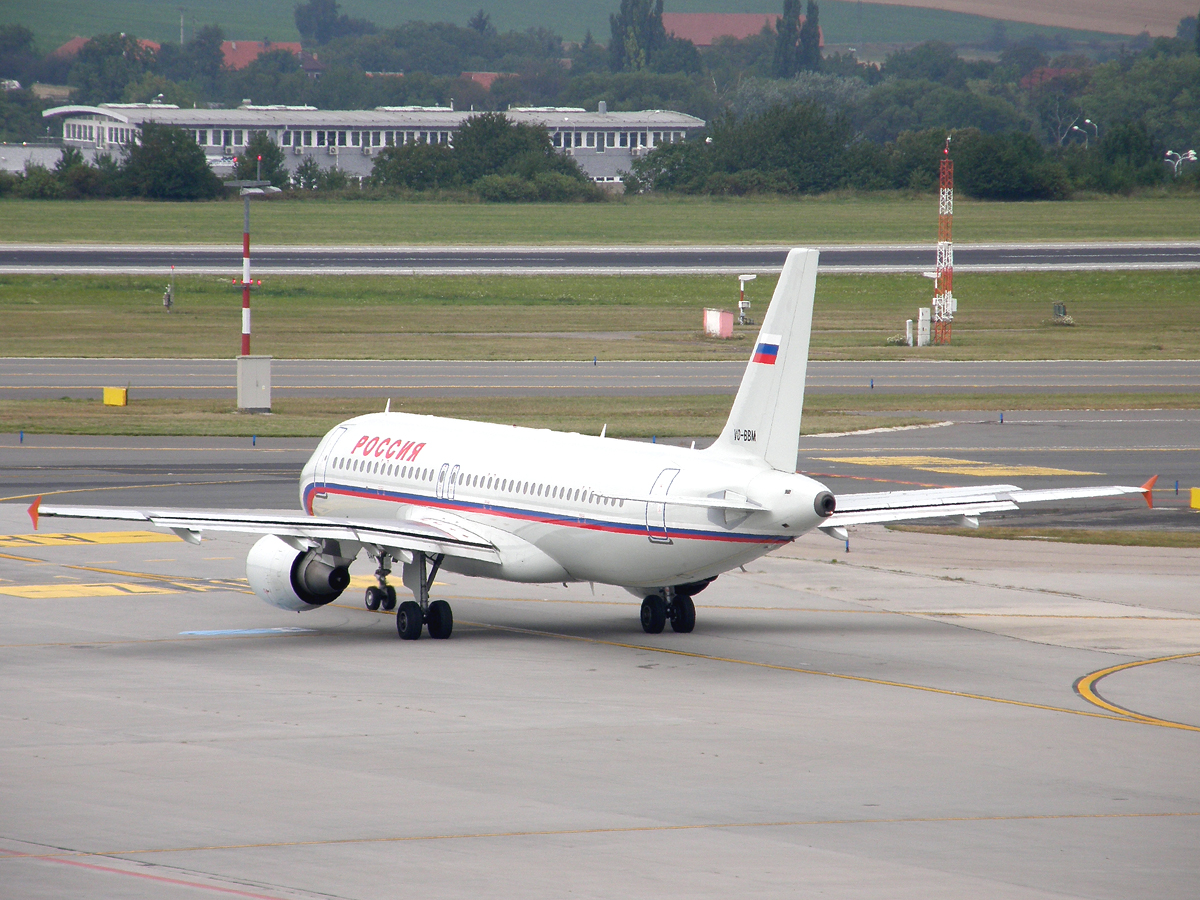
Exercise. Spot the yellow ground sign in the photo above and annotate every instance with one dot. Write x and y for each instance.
(69, 591)
(93, 537)
(946, 465)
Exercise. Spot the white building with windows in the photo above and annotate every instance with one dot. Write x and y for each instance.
(604, 143)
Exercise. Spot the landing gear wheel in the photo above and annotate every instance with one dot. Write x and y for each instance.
(683, 614)
(439, 620)
(409, 620)
(389, 600)
(654, 614)
(373, 598)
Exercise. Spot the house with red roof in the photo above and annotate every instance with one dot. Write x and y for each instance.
(239, 54)
(486, 79)
(1044, 75)
(702, 29)
(75, 44)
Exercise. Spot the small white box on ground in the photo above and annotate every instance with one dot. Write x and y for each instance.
(923, 321)
(718, 323)
(254, 384)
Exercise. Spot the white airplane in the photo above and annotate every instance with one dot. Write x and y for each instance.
(539, 506)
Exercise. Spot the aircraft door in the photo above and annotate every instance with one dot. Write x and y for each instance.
(451, 485)
(440, 490)
(656, 513)
(326, 456)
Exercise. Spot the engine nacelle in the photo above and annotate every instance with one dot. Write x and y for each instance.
(294, 580)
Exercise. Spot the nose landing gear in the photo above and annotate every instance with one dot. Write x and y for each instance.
(383, 596)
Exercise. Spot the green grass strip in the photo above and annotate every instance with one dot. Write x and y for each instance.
(835, 218)
(1119, 315)
(635, 417)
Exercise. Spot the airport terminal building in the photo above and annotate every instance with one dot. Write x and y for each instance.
(605, 144)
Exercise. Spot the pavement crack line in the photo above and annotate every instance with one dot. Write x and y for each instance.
(1115, 714)
(66, 855)
(1118, 715)
(970, 582)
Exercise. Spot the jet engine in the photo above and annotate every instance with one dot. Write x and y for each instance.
(292, 579)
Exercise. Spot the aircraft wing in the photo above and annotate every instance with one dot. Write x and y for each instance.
(967, 502)
(394, 534)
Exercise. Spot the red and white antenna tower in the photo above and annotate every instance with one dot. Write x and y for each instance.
(944, 303)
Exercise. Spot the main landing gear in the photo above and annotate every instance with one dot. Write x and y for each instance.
(436, 616)
(416, 614)
(671, 604)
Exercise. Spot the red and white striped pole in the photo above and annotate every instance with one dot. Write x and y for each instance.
(943, 286)
(246, 278)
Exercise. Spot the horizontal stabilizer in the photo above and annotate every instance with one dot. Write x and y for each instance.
(902, 506)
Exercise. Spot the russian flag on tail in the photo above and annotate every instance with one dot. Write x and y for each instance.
(767, 349)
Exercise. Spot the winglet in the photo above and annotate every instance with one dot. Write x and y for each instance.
(1148, 491)
(33, 511)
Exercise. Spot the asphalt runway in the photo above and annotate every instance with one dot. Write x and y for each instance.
(86, 378)
(440, 260)
(923, 717)
(1038, 449)
(1031, 449)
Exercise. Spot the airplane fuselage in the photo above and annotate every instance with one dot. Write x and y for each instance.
(558, 506)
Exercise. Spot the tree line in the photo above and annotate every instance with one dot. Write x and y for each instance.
(1067, 121)
(802, 148)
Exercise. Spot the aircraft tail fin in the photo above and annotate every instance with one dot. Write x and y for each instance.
(765, 419)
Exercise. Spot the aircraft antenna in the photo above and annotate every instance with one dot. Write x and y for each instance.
(944, 304)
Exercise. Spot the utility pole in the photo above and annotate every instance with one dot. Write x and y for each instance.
(246, 274)
(253, 372)
(944, 303)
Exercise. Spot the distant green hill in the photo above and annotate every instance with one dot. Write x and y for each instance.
(57, 21)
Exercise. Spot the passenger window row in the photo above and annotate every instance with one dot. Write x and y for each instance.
(489, 482)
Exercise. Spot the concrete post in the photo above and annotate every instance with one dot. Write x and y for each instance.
(254, 384)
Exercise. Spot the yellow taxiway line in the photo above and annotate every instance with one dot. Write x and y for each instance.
(1086, 688)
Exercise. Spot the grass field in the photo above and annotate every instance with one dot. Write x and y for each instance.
(644, 417)
(56, 21)
(1149, 315)
(636, 221)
